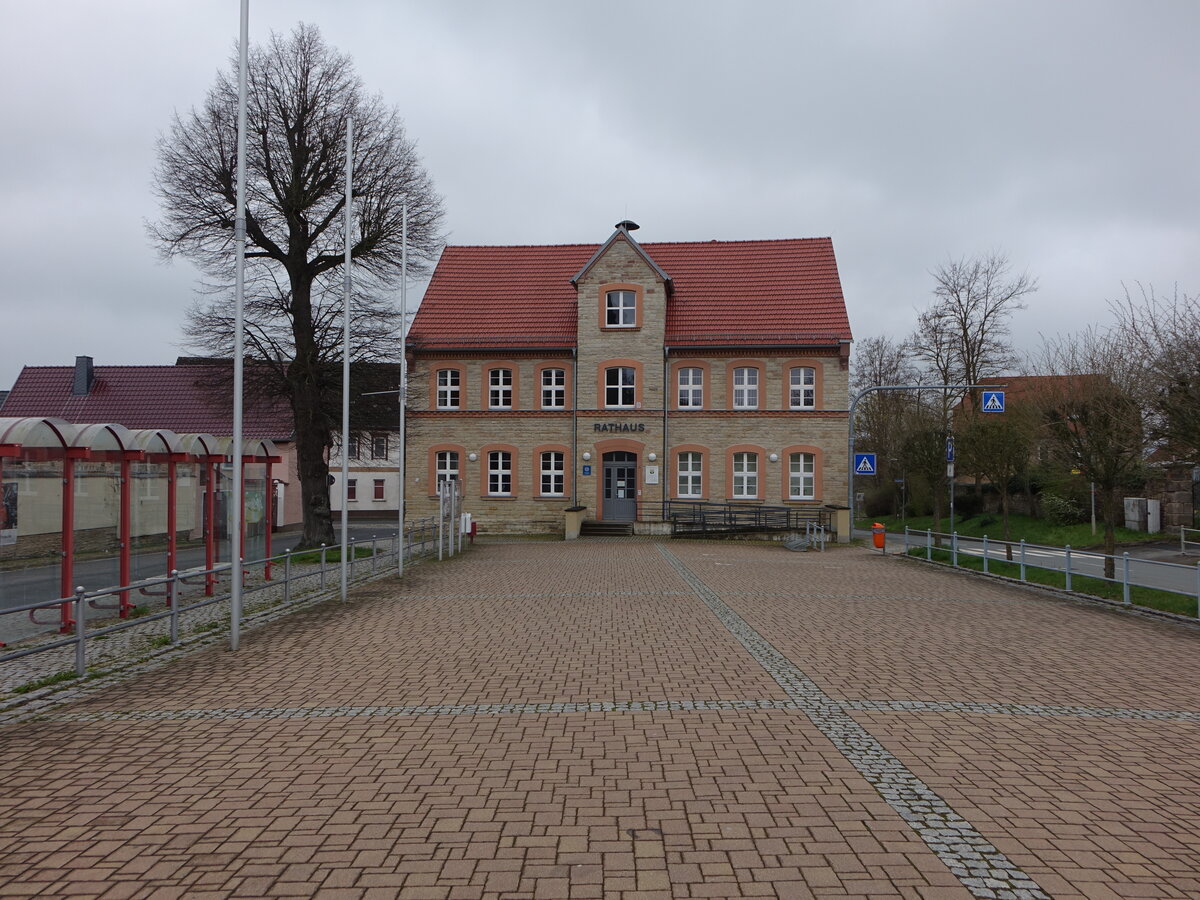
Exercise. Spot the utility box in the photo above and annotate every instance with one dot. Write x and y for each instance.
(1136, 512)
(1154, 516)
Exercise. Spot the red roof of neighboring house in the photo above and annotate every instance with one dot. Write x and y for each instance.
(722, 293)
(178, 398)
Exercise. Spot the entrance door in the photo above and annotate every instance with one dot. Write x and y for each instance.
(620, 486)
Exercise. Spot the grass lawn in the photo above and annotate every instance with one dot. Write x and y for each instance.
(1167, 601)
(1034, 531)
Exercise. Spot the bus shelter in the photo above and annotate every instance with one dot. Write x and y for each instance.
(102, 507)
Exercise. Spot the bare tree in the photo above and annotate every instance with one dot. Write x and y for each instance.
(883, 418)
(1092, 418)
(963, 336)
(301, 93)
(1163, 334)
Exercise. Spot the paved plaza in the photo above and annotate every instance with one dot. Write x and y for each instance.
(633, 719)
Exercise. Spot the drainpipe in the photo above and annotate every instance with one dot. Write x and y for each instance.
(575, 425)
(666, 457)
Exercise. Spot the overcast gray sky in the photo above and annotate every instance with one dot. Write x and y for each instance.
(1064, 134)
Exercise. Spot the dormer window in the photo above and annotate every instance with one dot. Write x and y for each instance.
(620, 309)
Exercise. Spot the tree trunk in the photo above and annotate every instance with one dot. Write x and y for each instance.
(1004, 518)
(1110, 533)
(314, 434)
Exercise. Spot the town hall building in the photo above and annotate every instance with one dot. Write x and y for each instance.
(623, 376)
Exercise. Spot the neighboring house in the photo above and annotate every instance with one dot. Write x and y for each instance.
(372, 488)
(622, 375)
(186, 398)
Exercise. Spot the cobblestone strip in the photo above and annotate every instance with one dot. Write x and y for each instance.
(630, 706)
(1020, 709)
(979, 866)
(466, 709)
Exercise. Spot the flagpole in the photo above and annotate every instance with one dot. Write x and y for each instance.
(346, 281)
(239, 238)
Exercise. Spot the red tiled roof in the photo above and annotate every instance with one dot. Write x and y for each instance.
(177, 398)
(723, 293)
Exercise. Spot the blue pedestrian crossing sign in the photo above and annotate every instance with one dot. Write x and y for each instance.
(864, 463)
(993, 401)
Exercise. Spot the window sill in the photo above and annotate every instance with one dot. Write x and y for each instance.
(498, 497)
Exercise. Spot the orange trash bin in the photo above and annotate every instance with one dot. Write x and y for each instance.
(878, 535)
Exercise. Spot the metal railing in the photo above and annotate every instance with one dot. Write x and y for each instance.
(1129, 572)
(701, 518)
(1185, 542)
(183, 592)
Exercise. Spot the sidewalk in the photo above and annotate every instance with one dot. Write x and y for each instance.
(636, 720)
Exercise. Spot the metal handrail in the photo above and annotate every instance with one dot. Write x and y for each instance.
(417, 540)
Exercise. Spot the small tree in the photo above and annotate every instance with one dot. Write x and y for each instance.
(883, 418)
(997, 448)
(301, 93)
(1092, 418)
(1164, 335)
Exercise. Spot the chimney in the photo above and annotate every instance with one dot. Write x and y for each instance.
(85, 377)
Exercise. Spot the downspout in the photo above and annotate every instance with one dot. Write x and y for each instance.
(575, 426)
(666, 457)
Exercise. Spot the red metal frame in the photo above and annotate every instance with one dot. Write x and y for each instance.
(66, 588)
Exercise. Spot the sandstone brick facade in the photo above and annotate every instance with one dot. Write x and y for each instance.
(646, 421)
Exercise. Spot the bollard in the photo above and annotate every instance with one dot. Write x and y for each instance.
(985, 556)
(1125, 578)
(322, 567)
(80, 632)
(928, 545)
(954, 548)
(174, 600)
(373, 552)
(1068, 554)
(350, 565)
(1022, 559)
(1198, 589)
(906, 540)
(287, 575)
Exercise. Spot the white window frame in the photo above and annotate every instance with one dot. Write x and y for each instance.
(445, 466)
(499, 473)
(500, 389)
(379, 490)
(745, 475)
(449, 386)
(689, 470)
(351, 490)
(352, 448)
(375, 454)
(691, 387)
(624, 391)
(745, 387)
(554, 388)
(552, 469)
(620, 305)
(802, 474)
(802, 387)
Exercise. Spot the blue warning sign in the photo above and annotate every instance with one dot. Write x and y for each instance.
(993, 401)
(864, 463)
